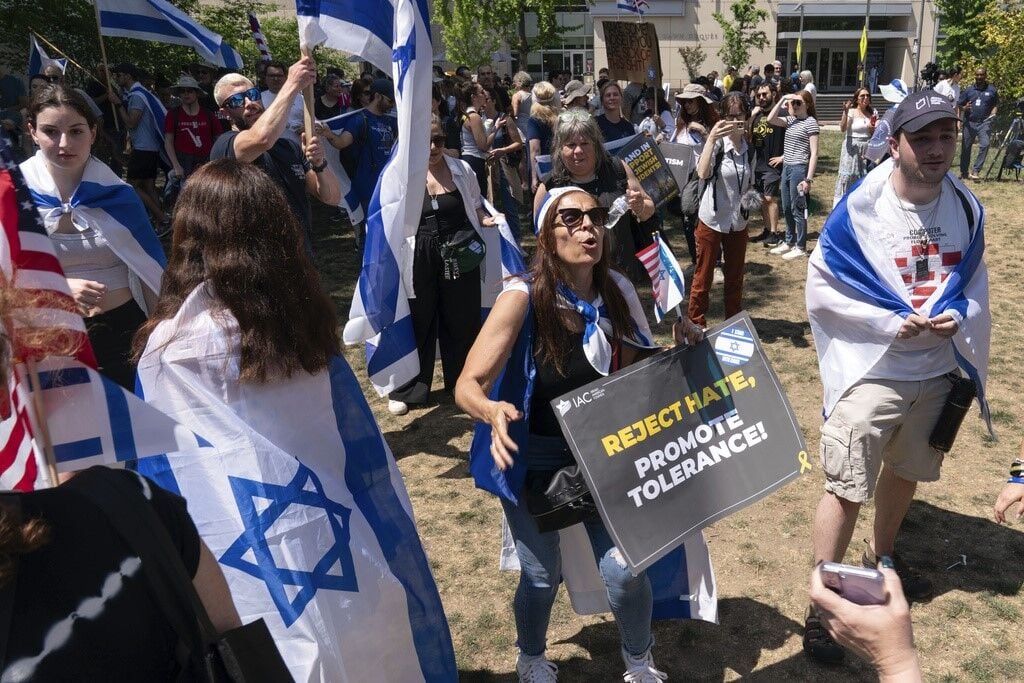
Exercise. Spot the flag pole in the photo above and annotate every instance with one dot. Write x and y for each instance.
(106, 67)
(307, 98)
(62, 54)
(44, 430)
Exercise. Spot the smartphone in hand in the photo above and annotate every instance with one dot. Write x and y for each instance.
(859, 585)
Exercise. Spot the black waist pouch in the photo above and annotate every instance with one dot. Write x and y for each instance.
(565, 501)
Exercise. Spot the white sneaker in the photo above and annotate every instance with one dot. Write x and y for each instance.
(397, 407)
(794, 253)
(641, 669)
(781, 249)
(535, 669)
(719, 277)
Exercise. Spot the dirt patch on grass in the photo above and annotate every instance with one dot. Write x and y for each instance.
(969, 631)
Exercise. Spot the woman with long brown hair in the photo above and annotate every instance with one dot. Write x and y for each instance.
(695, 120)
(567, 321)
(857, 126)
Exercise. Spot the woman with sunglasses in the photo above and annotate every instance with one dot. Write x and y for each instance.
(799, 161)
(578, 158)
(857, 124)
(446, 308)
(568, 320)
(101, 233)
(695, 119)
(722, 225)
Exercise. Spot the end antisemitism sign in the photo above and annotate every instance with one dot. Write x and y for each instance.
(678, 441)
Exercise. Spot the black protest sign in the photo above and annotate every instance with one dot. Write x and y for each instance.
(678, 441)
(679, 159)
(632, 50)
(644, 158)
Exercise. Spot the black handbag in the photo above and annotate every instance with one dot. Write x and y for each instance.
(462, 253)
(565, 501)
(246, 654)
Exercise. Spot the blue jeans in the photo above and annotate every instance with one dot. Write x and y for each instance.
(630, 596)
(972, 131)
(796, 223)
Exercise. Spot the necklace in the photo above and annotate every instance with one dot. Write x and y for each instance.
(433, 196)
(919, 236)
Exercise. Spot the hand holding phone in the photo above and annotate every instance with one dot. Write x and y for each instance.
(859, 585)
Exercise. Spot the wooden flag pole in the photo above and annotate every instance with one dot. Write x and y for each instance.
(106, 68)
(64, 55)
(44, 430)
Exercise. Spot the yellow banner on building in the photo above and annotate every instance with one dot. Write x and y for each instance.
(632, 51)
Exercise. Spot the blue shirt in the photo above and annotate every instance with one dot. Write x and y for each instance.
(538, 130)
(982, 102)
(145, 136)
(373, 138)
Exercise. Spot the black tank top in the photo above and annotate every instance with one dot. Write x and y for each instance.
(548, 384)
(450, 213)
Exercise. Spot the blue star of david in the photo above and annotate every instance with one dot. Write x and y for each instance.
(734, 346)
(304, 489)
(404, 55)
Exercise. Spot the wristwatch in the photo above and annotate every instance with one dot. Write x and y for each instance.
(319, 169)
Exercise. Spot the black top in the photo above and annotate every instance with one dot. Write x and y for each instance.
(548, 384)
(767, 141)
(82, 606)
(614, 131)
(322, 112)
(449, 217)
(285, 163)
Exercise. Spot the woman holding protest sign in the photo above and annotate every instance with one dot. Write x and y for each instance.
(447, 302)
(726, 171)
(579, 159)
(567, 321)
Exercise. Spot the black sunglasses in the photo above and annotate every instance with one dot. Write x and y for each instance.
(573, 218)
(51, 79)
(438, 140)
(238, 99)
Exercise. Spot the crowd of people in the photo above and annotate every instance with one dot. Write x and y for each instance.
(889, 350)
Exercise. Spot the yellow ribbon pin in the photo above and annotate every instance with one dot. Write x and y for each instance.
(804, 465)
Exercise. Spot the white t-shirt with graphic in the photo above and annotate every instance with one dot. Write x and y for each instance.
(923, 269)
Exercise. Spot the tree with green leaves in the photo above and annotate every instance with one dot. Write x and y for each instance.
(740, 33)
(963, 25)
(693, 58)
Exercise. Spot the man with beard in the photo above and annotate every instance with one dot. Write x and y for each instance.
(255, 137)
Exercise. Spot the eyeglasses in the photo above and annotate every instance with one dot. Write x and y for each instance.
(238, 99)
(863, 96)
(573, 218)
(574, 115)
(438, 140)
(736, 117)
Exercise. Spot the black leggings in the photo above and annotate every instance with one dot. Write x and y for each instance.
(111, 335)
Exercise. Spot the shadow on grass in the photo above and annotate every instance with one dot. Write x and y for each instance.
(933, 538)
(699, 651)
(431, 431)
(771, 330)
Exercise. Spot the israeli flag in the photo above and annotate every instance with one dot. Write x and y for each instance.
(162, 22)
(734, 346)
(365, 28)
(349, 200)
(39, 60)
(109, 206)
(91, 420)
(302, 504)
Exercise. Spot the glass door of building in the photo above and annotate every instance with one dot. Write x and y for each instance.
(575, 61)
(842, 70)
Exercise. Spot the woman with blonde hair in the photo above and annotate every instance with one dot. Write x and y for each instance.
(522, 100)
(540, 129)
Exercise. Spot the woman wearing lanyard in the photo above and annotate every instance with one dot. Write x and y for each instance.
(722, 224)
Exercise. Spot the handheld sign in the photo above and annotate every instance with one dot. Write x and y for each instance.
(679, 159)
(632, 51)
(678, 441)
(645, 159)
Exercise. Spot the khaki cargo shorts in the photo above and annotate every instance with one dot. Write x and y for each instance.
(876, 421)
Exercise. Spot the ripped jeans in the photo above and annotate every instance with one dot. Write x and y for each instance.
(630, 596)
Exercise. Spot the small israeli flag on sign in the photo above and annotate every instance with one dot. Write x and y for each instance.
(734, 346)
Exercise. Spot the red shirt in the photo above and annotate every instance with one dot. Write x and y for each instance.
(193, 134)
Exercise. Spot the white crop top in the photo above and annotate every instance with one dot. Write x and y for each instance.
(86, 255)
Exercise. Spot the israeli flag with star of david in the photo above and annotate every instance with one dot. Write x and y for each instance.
(302, 503)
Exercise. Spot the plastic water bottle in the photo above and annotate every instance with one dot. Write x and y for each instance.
(617, 211)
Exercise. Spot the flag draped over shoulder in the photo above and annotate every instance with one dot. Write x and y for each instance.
(39, 60)
(302, 504)
(162, 22)
(857, 299)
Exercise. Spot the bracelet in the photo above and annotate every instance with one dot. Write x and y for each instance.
(320, 168)
(1017, 468)
(1015, 480)
(808, 180)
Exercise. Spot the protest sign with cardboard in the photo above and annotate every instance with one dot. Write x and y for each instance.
(678, 441)
(632, 49)
(648, 164)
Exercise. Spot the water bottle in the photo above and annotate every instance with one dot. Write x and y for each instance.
(617, 211)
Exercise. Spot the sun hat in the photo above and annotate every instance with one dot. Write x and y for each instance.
(574, 89)
(692, 91)
(895, 91)
(186, 83)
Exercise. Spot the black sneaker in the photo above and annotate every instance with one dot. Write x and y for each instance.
(773, 240)
(818, 644)
(765, 234)
(915, 587)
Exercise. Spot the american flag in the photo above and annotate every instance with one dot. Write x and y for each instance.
(634, 6)
(666, 276)
(27, 259)
(261, 40)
